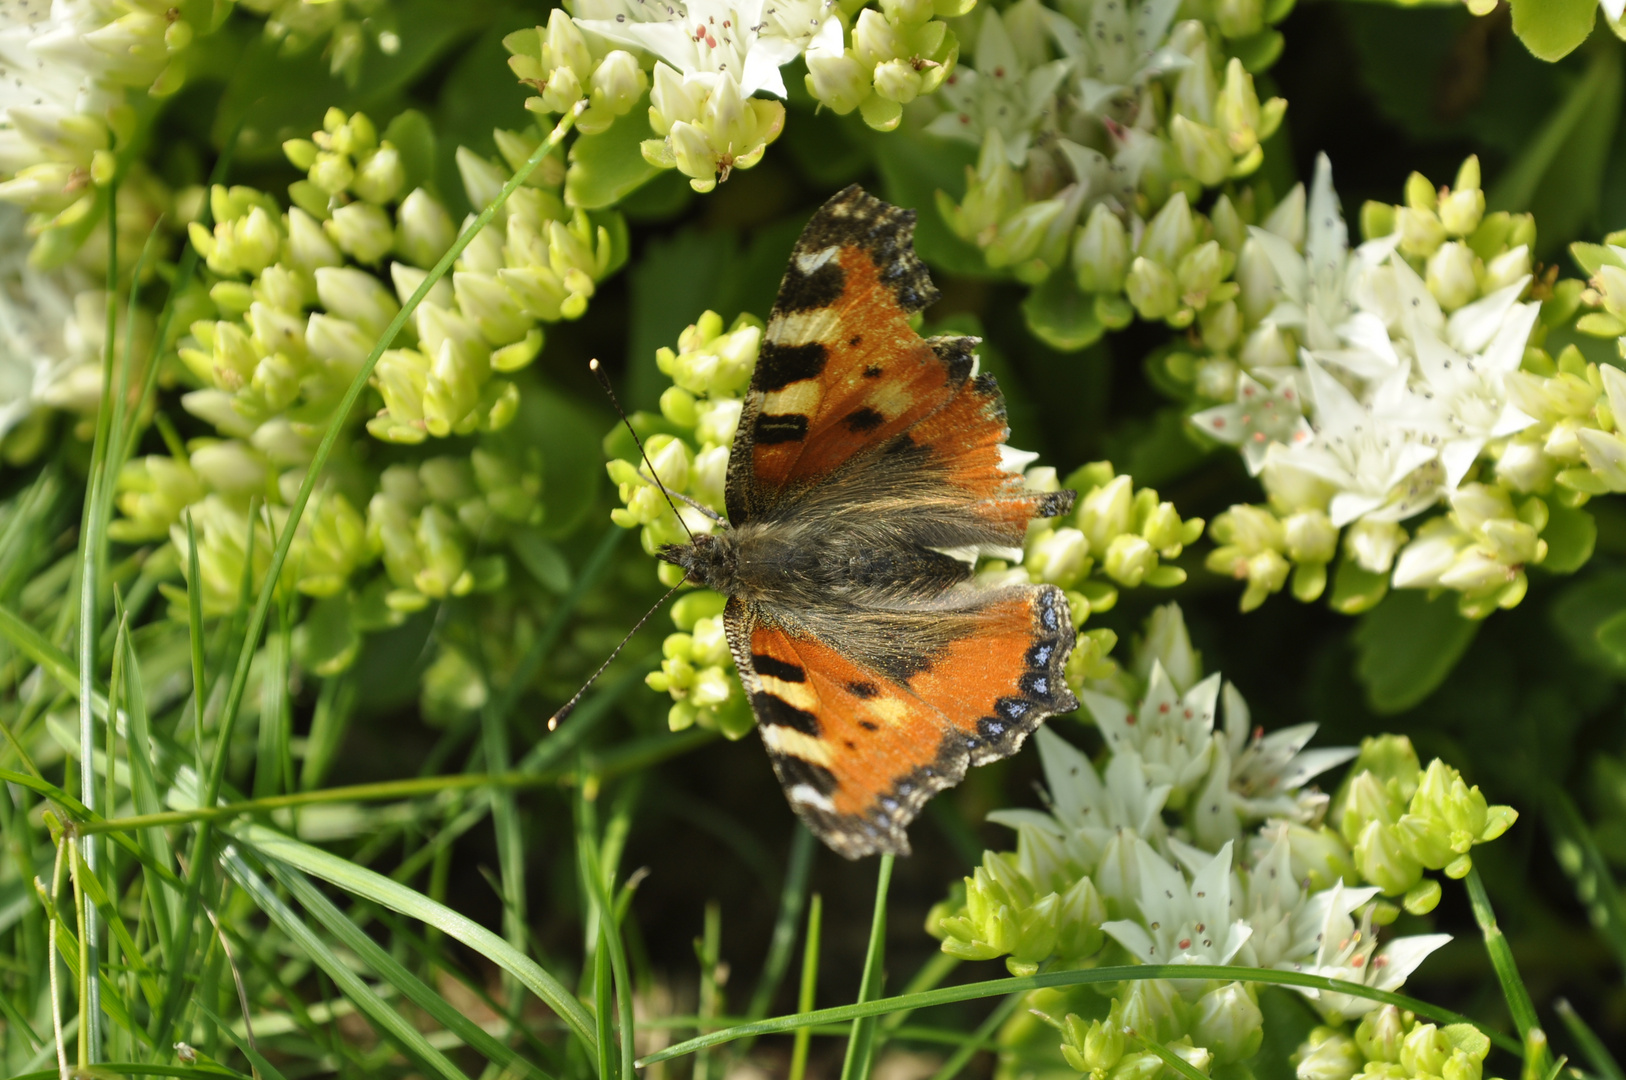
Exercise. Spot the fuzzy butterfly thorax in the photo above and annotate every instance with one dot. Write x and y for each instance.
(868, 473)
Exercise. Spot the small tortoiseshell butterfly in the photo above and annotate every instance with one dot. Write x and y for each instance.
(866, 473)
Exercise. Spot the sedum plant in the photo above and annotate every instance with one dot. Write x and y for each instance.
(304, 551)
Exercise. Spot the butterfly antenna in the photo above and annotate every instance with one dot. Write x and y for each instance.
(570, 706)
(604, 381)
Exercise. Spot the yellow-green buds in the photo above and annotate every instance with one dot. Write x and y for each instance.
(707, 126)
(698, 672)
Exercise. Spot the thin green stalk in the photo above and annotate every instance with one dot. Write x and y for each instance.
(708, 950)
(1519, 1005)
(1170, 1058)
(596, 880)
(809, 988)
(862, 1041)
(92, 554)
(985, 1030)
(1090, 977)
(1597, 1055)
(791, 899)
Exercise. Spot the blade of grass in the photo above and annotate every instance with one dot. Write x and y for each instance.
(334, 706)
(856, 1065)
(1586, 1040)
(215, 776)
(707, 951)
(381, 890)
(791, 900)
(931, 973)
(1577, 852)
(1093, 976)
(1519, 1005)
(809, 987)
(137, 1068)
(611, 955)
(1170, 1058)
(393, 972)
(985, 1030)
(393, 1026)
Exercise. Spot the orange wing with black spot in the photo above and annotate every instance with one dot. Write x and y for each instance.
(842, 374)
(859, 752)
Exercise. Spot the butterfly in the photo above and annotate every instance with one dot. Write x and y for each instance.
(868, 470)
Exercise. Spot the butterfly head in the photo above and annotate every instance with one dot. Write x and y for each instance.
(710, 561)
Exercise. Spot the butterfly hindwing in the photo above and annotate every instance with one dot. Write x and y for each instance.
(860, 750)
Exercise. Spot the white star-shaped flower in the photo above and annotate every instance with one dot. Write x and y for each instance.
(1368, 452)
(1121, 47)
(1260, 416)
(1463, 396)
(1349, 951)
(1257, 776)
(998, 92)
(1182, 922)
(748, 39)
(1168, 731)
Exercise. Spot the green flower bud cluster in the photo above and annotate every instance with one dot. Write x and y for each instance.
(567, 67)
(1401, 820)
(689, 441)
(1104, 1048)
(707, 128)
(898, 52)
(1389, 1044)
(433, 524)
(1479, 549)
(1083, 136)
(235, 539)
(1002, 914)
(1116, 537)
(698, 672)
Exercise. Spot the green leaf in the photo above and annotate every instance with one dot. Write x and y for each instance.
(606, 167)
(1552, 29)
(397, 897)
(1583, 610)
(414, 137)
(1571, 534)
(1559, 175)
(543, 559)
(327, 642)
(1611, 635)
(1406, 647)
(1061, 316)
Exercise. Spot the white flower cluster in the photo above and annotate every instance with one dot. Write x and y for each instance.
(1377, 382)
(1089, 115)
(1191, 842)
(52, 327)
(712, 57)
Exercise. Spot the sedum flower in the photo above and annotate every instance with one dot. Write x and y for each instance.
(1261, 416)
(698, 672)
(1348, 950)
(1000, 93)
(1182, 921)
(708, 127)
(1170, 732)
